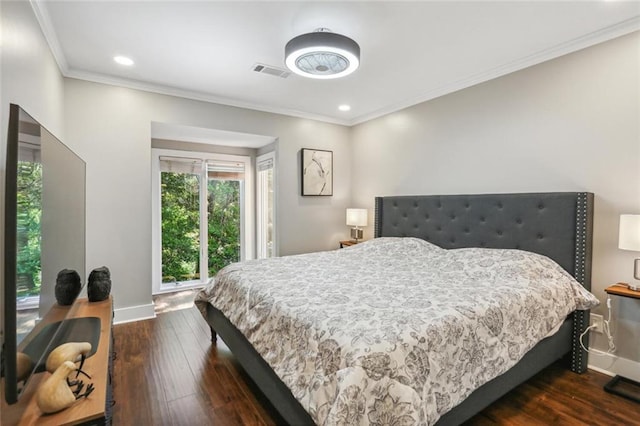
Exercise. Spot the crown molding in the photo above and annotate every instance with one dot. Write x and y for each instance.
(197, 96)
(617, 30)
(44, 20)
(588, 40)
(42, 15)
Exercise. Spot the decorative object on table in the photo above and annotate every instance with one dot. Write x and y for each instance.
(322, 54)
(58, 392)
(629, 239)
(317, 172)
(72, 351)
(356, 218)
(24, 365)
(99, 285)
(68, 286)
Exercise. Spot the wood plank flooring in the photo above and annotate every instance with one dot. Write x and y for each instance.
(168, 373)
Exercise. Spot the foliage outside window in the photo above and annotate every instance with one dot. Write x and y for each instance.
(224, 224)
(180, 226)
(181, 217)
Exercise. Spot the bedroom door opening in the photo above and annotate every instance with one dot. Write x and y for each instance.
(202, 207)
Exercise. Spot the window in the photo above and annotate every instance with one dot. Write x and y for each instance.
(202, 216)
(265, 221)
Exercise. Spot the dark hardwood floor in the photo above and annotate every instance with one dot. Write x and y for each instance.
(168, 373)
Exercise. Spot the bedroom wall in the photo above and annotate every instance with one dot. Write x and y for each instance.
(29, 77)
(570, 124)
(110, 126)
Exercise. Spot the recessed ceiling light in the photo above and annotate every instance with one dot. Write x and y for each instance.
(322, 54)
(123, 60)
(344, 108)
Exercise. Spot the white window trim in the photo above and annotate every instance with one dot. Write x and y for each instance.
(264, 157)
(247, 228)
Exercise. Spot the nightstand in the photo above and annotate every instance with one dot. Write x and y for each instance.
(347, 243)
(621, 385)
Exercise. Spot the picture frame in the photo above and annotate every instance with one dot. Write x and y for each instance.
(316, 172)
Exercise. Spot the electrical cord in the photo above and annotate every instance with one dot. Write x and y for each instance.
(607, 330)
(607, 327)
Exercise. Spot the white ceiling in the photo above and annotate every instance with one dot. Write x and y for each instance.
(410, 51)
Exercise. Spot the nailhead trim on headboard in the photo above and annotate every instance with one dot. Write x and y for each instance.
(581, 222)
(582, 273)
(377, 229)
(578, 355)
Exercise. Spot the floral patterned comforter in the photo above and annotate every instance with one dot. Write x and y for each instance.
(393, 330)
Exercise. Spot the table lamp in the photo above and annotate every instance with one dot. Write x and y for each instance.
(629, 239)
(356, 218)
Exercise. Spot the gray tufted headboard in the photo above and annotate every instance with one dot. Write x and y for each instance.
(556, 224)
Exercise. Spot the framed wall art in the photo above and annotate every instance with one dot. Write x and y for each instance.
(317, 172)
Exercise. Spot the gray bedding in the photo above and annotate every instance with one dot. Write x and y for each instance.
(394, 330)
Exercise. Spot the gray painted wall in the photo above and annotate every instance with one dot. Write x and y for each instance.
(110, 127)
(29, 77)
(570, 124)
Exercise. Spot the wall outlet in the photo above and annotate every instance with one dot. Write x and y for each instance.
(597, 321)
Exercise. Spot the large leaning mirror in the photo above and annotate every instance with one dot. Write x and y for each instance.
(44, 234)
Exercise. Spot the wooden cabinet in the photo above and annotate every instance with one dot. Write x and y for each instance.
(96, 408)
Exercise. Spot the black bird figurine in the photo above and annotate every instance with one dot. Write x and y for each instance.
(68, 286)
(99, 285)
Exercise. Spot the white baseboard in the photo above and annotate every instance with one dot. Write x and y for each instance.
(134, 313)
(611, 365)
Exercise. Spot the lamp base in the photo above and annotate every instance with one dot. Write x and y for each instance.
(356, 234)
(635, 286)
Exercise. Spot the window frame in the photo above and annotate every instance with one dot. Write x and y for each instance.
(259, 203)
(247, 223)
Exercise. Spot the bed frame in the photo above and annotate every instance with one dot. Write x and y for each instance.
(557, 225)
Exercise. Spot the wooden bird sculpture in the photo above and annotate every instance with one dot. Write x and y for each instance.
(56, 392)
(72, 351)
(24, 366)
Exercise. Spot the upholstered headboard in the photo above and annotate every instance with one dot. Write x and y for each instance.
(557, 224)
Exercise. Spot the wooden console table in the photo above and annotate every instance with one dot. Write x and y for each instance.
(94, 410)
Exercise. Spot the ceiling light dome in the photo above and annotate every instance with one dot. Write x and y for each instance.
(322, 54)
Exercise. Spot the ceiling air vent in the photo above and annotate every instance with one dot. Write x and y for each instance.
(271, 70)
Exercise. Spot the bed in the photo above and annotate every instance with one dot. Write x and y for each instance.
(556, 225)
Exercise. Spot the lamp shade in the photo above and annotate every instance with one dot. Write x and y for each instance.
(357, 217)
(629, 237)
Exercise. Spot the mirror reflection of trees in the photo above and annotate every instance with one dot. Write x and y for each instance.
(29, 213)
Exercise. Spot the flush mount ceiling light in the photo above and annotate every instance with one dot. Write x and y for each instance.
(322, 54)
